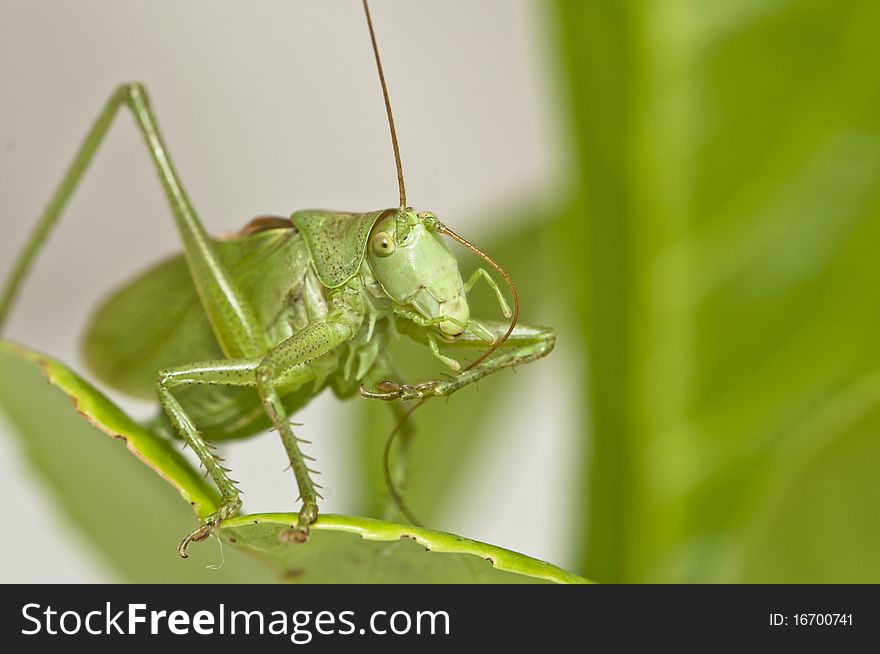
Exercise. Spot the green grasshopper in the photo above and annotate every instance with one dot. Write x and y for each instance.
(236, 334)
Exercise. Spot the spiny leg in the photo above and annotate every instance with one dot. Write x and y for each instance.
(307, 487)
(239, 372)
(230, 503)
(233, 373)
(287, 363)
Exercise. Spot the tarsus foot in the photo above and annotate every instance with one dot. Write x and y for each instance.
(207, 527)
(300, 532)
(388, 390)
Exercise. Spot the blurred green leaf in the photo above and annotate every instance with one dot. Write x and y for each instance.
(137, 522)
(827, 471)
(724, 225)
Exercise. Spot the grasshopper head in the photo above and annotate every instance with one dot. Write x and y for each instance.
(414, 266)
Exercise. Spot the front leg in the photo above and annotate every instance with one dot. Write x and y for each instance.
(525, 344)
(427, 335)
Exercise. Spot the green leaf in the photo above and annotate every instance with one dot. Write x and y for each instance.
(725, 226)
(137, 521)
(364, 550)
(120, 505)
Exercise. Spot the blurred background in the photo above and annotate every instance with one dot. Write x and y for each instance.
(687, 191)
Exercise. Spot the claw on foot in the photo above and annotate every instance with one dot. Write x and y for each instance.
(294, 535)
(389, 390)
(204, 530)
(385, 390)
(196, 536)
(300, 532)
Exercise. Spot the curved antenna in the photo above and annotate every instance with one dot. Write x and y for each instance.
(386, 454)
(473, 248)
(386, 465)
(400, 185)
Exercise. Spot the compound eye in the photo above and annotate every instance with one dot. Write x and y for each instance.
(383, 244)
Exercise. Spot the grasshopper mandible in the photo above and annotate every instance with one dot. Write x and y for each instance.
(252, 326)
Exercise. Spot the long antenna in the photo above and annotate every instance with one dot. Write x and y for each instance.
(514, 316)
(387, 109)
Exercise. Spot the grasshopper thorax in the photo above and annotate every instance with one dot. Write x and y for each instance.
(414, 266)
